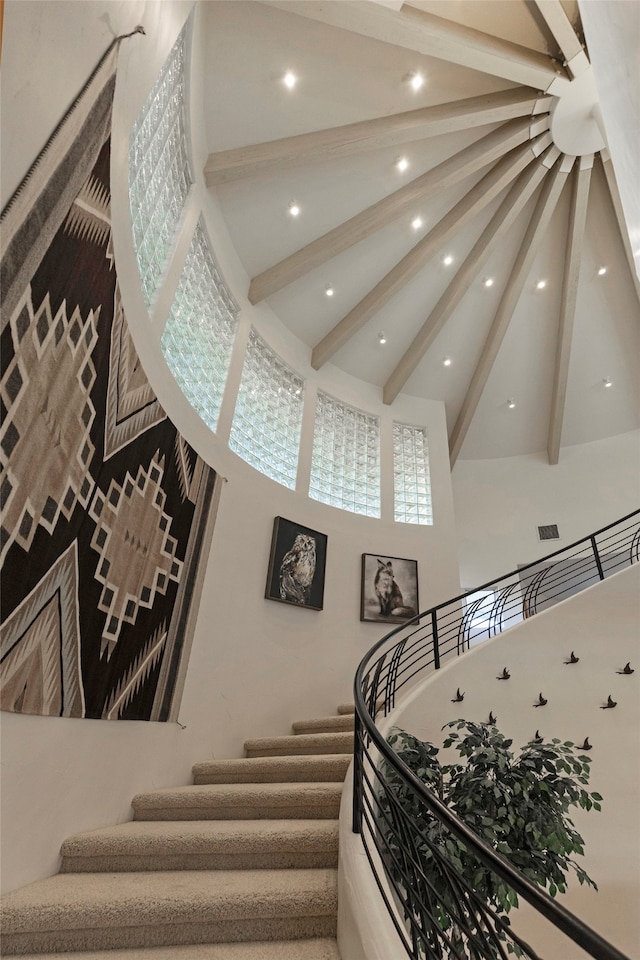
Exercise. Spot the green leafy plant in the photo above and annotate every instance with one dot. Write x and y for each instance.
(518, 805)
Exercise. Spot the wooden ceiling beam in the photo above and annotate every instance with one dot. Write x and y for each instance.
(614, 193)
(508, 211)
(452, 170)
(434, 36)
(352, 138)
(405, 270)
(565, 36)
(573, 259)
(551, 190)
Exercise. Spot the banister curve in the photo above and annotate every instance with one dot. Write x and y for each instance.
(408, 651)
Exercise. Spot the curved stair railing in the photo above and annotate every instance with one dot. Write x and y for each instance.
(391, 838)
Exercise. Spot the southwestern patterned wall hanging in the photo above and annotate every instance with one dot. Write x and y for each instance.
(107, 511)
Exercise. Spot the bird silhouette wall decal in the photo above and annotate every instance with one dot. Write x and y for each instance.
(504, 675)
(610, 704)
(572, 659)
(492, 719)
(536, 737)
(586, 745)
(541, 701)
(458, 697)
(627, 669)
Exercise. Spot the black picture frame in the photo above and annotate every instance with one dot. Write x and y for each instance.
(296, 566)
(388, 584)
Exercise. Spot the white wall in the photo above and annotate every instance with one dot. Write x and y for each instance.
(255, 665)
(601, 626)
(499, 504)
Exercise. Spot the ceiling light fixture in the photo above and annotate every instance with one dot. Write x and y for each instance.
(541, 284)
(416, 223)
(446, 362)
(382, 338)
(402, 164)
(294, 209)
(602, 271)
(329, 290)
(488, 281)
(448, 260)
(511, 404)
(608, 382)
(290, 79)
(416, 80)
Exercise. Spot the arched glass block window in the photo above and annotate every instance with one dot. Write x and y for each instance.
(411, 482)
(268, 416)
(200, 330)
(159, 174)
(345, 464)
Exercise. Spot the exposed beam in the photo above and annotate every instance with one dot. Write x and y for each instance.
(573, 259)
(475, 200)
(508, 211)
(565, 36)
(352, 138)
(434, 36)
(363, 224)
(551, 190)
(612, 184)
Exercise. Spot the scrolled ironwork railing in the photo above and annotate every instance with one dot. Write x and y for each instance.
(410, 868)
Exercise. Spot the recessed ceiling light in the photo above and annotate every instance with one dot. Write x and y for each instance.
(602, 271)
(294, 209)
(416, 80)
(446, 362)
(541, 284)
(448, 260)
(416, 223)
(382, 338)
(329, 290)
(290, 79)
(511, 404)
(607, 382)
(402, 164)
(488, 281)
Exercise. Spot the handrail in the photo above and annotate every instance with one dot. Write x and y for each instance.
(401, 656)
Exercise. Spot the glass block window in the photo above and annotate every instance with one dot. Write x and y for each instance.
(268, 416)
(411, 482)
(159, 174)
(200, 330)
(345, 464)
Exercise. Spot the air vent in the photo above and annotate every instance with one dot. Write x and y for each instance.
(548, 532)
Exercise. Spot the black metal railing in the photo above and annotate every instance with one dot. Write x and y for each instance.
(412, 869)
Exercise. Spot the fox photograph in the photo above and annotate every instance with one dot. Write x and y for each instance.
(389, 589)
(296, 565)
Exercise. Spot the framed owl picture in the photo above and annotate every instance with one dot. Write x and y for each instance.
(296, 565)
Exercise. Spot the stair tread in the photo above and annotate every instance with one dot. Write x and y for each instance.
(283, 769)
(198, 836)
(78, 901)
(231, 793)
(346, 708)
(334, 724)
(301, 743)
(314, 949)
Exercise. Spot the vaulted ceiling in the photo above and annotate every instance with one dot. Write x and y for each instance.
(495, 261)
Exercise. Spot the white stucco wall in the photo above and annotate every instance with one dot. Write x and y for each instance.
(499, 504)
(255, 665)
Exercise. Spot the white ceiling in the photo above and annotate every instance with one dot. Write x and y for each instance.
(344, 77)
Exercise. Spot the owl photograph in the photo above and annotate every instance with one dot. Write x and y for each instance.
(296, 565)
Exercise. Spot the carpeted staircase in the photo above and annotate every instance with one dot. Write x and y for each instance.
(241, 865)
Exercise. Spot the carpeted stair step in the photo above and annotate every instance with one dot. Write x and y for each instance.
(110, 911)
(203, 845)
(273, 769)
(346, 708)
(337, 724)
(316, 949)
(297, 744)
(227, 801)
